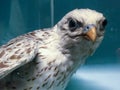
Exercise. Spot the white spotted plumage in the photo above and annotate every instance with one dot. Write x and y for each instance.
(45, 59)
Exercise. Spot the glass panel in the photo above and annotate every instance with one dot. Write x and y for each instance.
(21, 16)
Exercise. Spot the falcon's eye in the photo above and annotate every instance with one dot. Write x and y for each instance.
(74, 24)
(104, 23)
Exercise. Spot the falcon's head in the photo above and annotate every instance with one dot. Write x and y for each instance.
(82, 30)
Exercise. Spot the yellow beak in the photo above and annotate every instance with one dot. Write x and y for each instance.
(91, 34)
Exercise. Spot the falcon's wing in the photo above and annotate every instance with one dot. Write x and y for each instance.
(16, 53)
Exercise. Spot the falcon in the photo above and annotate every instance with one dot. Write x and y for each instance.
(45, 59)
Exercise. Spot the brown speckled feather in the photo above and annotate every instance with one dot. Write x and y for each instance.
(16, 53)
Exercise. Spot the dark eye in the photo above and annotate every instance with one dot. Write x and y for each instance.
(104, 23)
(74, 24)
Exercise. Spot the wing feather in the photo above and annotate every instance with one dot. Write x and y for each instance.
(16, 53)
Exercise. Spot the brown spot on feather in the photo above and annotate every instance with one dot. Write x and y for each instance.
(37, 75)
(15, 57)
(50, 63)
(56, 74)
(46, 33)
(2, 65)
(44, 84)
(39, 39)
(33, 78)
(18, 44)
(50, 68)
(28, 50)
(55, 68)
(17, 51)
(8, 44)
(2, 53)
(45, 68)
(29, 80)
(32, 33)
(43, 46)
(9, 49)
(47, 78)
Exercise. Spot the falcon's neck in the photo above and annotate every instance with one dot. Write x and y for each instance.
(66, 59)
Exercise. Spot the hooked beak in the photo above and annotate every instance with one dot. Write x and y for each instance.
(91, 33)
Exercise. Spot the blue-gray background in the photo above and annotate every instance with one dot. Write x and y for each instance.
(20, 16)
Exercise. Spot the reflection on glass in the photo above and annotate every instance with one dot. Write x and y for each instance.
(96, 77)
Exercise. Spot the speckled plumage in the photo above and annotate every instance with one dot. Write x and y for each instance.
(45, 59)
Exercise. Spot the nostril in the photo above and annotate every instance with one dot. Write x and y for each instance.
(90, 26)
(87, 27)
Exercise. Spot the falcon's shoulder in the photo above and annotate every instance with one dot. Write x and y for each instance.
(16, 53)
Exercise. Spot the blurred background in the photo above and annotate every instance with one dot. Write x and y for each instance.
(102, 70)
